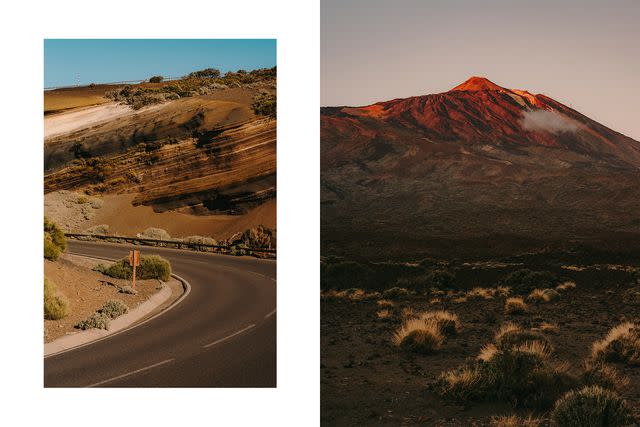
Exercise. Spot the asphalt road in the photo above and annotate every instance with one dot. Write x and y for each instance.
(223, 334)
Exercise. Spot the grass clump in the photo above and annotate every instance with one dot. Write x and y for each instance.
(605, 376)
(95, 321)
(566, 286)
(113, 308)
(467, 383)
(543, 295)
(515, 421)
(511, 335)
(54, 241)
(384, 314)
(515, 305)
(622, 344)
(55, 305)
(447, 322)
(419, 336)
(151, 267)
(591, 406)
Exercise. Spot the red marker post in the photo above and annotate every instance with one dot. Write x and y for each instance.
(134, 261)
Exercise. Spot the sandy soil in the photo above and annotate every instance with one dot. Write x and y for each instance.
(81, 118)
(366, 380)
(125, 219)
(86, 291)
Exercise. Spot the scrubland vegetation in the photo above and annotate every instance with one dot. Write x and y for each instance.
(503, 346)
(56, 305)
(197, 83)
(54, 241)
(151, 267)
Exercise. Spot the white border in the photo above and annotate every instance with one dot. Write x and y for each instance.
(295, 24)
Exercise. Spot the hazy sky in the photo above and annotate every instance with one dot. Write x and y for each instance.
(583, 53)
(112, 60)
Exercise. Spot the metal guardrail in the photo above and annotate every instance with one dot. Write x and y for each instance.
(122, 82)
(178, 244)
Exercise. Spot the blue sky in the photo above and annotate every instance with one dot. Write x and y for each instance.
(104, 60)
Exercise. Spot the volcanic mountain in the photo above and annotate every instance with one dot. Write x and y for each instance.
(480, 169)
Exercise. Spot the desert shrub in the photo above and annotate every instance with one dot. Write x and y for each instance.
(154, 267)
(481, 293)
(265, 104)
(113, 308)
(156, 79)
(54, 240)
(154, 233)
(515, 305)
(151, 267)
(591, 406)
(97, 203)
(385, 303)
(55, 305)
(99, 230)
(447, 322)
(463, 384)
(524, 280)
(419, 335)
(82, 200)
(605, 376)
(51, 251)
(509, 337)
(543, 295)
(200, 240)
(395, 293)
(515, 421)
(207, 72)
(95, 321)
(622, 344)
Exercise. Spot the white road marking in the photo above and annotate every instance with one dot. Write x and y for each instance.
(131, 373)
(229, 336)
(270, 314)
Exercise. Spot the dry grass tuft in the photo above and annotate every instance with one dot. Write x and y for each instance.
(591, 406)
(447, 322)
(598, 373)
(419, 335)
(515, 305)
(384, 314)
(566, 286)
(515, 421)
(483, 293)
(385, 303)
(487, 352)
(622, 344)
(543, 295)
(549, 328)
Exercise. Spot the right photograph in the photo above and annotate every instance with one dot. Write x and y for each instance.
(480, 213)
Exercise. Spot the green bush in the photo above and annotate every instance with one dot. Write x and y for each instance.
(156, 79)
(207, 72)
(591, 406)
(524, 281)
(113, 308)
(54, 240)
(95, 321)
(51, 251)
(55, 305)
(265, 104)
(151, 267)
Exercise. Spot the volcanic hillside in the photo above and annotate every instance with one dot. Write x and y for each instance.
(479, 169)
(211, 152)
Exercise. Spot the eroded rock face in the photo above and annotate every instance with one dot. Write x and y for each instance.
(479, 168)
(214, 157)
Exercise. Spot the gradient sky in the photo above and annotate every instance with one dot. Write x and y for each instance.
(583, 53)
(104, 60)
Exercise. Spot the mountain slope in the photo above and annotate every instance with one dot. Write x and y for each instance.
(479, 168)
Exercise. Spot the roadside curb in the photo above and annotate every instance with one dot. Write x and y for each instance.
(120, 324)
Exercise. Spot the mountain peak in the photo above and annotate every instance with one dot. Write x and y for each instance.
(476, 83)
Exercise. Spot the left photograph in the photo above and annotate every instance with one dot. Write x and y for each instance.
(160, 212)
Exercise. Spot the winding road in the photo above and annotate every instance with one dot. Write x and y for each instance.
(223, 334)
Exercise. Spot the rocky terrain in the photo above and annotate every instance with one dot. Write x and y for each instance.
(477, 170)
